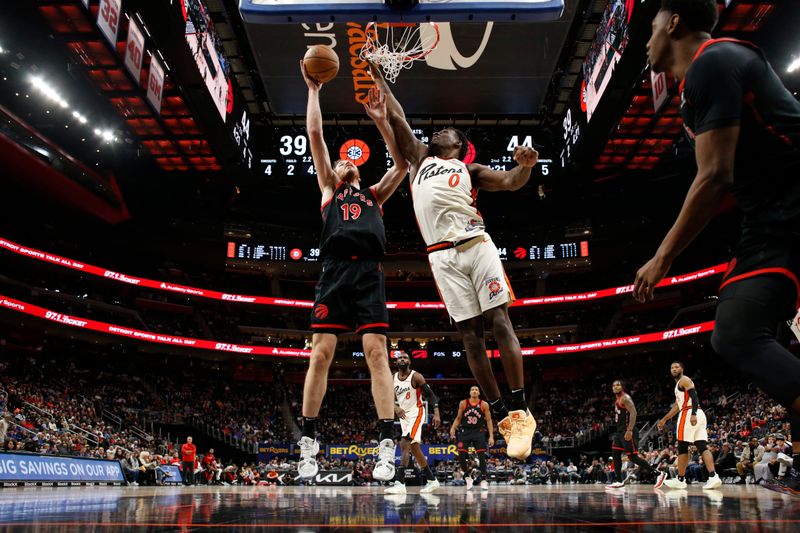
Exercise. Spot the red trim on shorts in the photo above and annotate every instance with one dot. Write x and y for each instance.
(332, 326)
(763, 271)
(375, 325)
(617, 448)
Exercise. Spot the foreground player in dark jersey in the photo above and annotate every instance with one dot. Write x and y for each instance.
(731, 97)
(626, 437)
(477, 426)
(350, 293)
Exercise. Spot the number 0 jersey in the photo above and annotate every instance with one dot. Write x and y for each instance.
(444, 201)
(352, 224)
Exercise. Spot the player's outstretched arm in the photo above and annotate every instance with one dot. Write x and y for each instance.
(715, 160)
(507, 180)
(376, 109)
(413, 149)
(326, 177)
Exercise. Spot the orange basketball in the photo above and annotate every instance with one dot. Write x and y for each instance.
(322, 63)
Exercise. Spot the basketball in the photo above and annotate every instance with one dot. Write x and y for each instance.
(322, 63)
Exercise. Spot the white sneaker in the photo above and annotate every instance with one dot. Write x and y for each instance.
(469, 482)
(484, 485)
(660, 480)
(384, 468)
(307, 467)
(713, 483)
(396, 488)
(429, 487)
(518, 429)
(616, 485)
(675, 483)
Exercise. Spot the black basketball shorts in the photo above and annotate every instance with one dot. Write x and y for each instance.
(627, 446)
(475, 439)
(350, 296)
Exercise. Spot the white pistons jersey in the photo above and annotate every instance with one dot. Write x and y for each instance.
(444, 201)
(406, 396)
(683, 399)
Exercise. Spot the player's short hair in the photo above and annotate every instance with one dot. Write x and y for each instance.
(462, 152)
(621, 383)
(697, 15)
(678, 362)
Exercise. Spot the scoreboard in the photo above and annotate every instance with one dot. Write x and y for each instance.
(287, 152)
(298, 252)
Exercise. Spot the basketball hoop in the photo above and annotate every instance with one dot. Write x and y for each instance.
(396, 45)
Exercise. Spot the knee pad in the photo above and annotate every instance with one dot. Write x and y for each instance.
(701, 446)
(683, 447)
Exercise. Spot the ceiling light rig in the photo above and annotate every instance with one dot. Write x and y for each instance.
(52, 94)
(794, 65)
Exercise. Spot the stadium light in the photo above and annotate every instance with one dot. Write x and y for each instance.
(794, 65)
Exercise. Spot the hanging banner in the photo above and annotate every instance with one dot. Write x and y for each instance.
(108, 19)
(134, 51)
(155, 83)
(660, 90)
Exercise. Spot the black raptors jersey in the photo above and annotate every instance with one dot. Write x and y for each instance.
(474, 419)
(621, 417)
(731, 83)
(352, 225)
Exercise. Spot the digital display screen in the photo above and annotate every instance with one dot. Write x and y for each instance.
(296, 252)
(288, 153)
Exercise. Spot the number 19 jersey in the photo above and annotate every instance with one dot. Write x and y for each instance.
(352, 224)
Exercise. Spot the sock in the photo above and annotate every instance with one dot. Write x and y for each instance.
(482, 460)
(712, 474)
(518, 402)
(427, 473)
(681, 478)
(499, 409)
(400, 475)
(462, 460)
(387, 429)
(310, 428)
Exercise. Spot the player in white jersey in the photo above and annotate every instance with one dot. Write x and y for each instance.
(691, 429)
(409, 389)
(463, 259)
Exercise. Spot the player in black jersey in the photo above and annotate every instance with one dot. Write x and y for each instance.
(350, 293)
(477, 426)
(745, 126)
(626, 437)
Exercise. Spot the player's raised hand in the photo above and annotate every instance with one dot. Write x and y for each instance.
(648, 277)
(313, 84)
(375, 71)
(376, 105)
(525, 156)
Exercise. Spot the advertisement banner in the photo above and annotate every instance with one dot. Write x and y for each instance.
(134, 51)
(19, 467)
(268, 450)
(172, 474)
(155, 83)
(288, 302)
(162, 338)
(108, 15)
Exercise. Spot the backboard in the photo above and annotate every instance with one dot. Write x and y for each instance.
(304, 11)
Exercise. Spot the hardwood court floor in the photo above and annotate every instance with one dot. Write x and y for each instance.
(570, 508)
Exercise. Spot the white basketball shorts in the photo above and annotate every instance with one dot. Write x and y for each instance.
(470, 278)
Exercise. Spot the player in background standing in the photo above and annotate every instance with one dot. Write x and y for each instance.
(690, 430)
(465, 263)
(409, 390)
(626, 437)
(350, 293)
(745, 127)
(477, 432)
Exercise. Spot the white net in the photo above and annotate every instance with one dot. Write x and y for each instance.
(396, 46)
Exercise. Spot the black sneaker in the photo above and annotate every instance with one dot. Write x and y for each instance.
(789, 485)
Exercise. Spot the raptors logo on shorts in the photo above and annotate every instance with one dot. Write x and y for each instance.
(321, 311)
